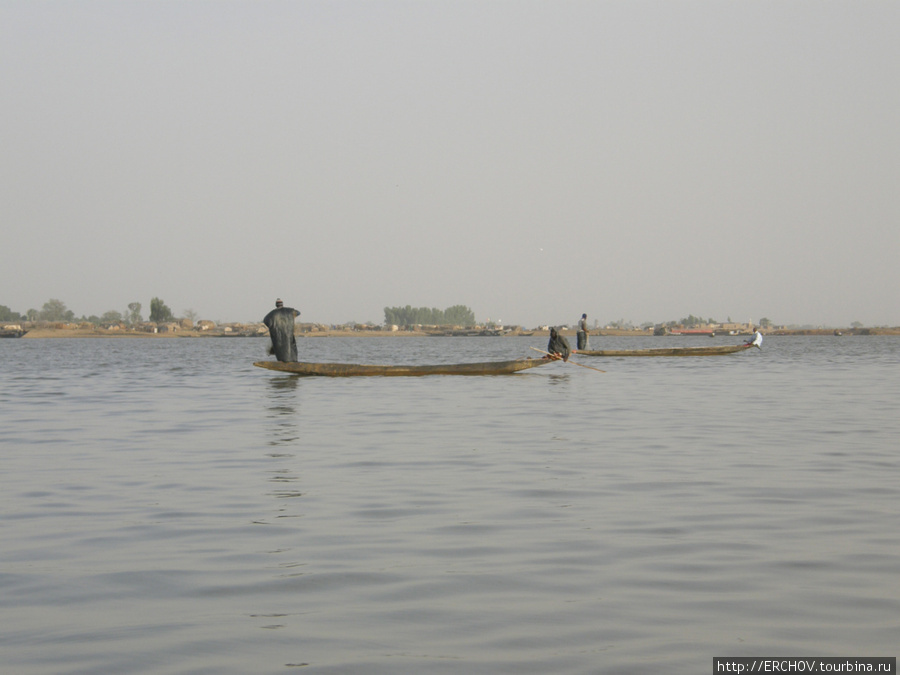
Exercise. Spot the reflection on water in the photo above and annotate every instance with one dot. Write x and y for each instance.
(282, 428)
(168, 508)
(283, 410)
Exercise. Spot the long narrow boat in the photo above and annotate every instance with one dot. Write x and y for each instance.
(358, 369)
(669, 351)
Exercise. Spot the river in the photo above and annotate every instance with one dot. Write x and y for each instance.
(168, 508)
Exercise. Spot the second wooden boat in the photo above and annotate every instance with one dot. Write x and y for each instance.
(359, 369)
(669, 351)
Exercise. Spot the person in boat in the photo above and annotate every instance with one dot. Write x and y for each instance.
(757, 340)
(280, 322)
(581, 337)
(558, 347)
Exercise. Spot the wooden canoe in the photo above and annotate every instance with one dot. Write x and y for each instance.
(668, 351)
(357, 369)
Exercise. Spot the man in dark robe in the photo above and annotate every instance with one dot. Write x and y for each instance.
(280, 322)
(558, 346)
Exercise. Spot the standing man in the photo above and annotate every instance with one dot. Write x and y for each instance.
(581, 337)
(280, 322)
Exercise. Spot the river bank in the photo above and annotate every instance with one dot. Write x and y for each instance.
(253, 331)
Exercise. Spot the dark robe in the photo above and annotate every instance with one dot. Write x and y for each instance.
(558, 345)
(280, 322)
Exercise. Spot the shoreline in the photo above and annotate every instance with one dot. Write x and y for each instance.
(67, 333)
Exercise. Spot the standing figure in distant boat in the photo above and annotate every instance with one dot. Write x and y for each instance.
(757, 340)
(581, 337)
(558, 346)
(280, 322)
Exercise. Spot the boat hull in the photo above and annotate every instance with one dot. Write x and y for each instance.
(669, 351)
(364, 370)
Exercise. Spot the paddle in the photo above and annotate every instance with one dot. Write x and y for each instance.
(572, 362)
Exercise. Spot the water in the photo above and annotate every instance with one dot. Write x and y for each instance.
(168, 508)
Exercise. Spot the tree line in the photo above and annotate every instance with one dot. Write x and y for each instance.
(692, 321)
(457, 315)
(55, 311)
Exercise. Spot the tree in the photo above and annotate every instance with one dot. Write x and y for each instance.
(112, 316)
(134, 313)
(764, 323)
(400, 316)
(55, 310)
(458, 315)
(191, 315)
(6, 314)
(159, 313)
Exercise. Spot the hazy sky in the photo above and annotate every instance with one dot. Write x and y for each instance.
(640, 160)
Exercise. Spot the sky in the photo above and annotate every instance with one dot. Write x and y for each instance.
(639, 160)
